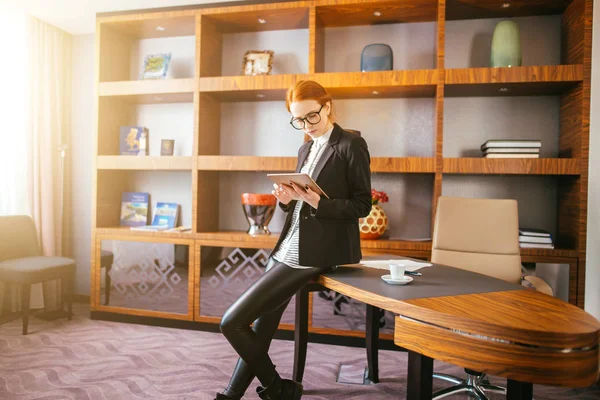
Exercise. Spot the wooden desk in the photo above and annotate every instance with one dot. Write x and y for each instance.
(481, 323)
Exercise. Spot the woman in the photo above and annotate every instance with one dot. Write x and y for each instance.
(318, 235)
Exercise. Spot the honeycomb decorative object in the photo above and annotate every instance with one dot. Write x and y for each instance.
(373, 225)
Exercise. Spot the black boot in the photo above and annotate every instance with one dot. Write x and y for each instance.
(281, 389)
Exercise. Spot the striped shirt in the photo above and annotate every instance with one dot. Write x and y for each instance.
(288, 252)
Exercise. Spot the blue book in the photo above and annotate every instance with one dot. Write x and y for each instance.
(166, 214)
(129, 143)
(134, 208)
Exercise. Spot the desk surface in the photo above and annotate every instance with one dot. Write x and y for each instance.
(482, 323)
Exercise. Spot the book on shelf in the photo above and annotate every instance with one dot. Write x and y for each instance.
(526, 150)
(536, 246)
(534, 232)
(165, 214)
(510, 155)
(130, 137)
(180, 229)
(535, 239)
(134, 208)
(495, 143)
(150, 228)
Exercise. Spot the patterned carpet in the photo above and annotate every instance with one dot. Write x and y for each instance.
(97, 360)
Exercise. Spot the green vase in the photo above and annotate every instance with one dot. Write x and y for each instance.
(506, 45)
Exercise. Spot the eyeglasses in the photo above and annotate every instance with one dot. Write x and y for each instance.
(312, 118)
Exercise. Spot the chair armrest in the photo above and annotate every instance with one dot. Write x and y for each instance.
(539, 284)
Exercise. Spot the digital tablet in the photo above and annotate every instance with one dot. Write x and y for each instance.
(302, 180)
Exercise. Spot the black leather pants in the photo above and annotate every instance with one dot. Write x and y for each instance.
(264, 303)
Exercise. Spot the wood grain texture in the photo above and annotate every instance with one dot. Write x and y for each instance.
(115, 232)
(208, 201)
(157, 163)
(144, 26)
(111, 185)
(438, 117)
(151, 91)
(114, 52)
(539, 254)
(516, 81)
(246, 163)
(512, 166)
(211, 48)
(475, 9)
(316, 43)
(507, 360)
(403, 165)
(277, 16)
(572, 33)
(336, 13)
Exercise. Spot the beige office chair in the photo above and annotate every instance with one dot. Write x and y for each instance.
(479, 235)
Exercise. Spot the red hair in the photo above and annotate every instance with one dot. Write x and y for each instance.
(309, 90)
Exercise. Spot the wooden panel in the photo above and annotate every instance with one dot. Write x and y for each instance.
(572, 31)
(571, 107)
(276, 16)
(111, 184)
(114, 232)
(151, 91)
(519, 166)
(154, 25)
(211, 48)
(246, 163)
(523, 316)
(469, 9)
(409, 83)
(208, 201)
(539, 254)
(336, 13)
(249, 88)
(508, 360)
(209, 125)
(316, 43)
(112, 114)
(113, 55)
(438, 117)
(516, 81)
(172, 163)
(403, 164)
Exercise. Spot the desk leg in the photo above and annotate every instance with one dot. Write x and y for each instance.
(300, 334)
(516, 390)
(419, 381)
(372, 338)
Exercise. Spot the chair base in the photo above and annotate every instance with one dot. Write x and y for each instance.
(475, 385)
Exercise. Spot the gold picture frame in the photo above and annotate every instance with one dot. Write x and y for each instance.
(257, 62)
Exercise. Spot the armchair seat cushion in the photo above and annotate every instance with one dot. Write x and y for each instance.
(28, 270)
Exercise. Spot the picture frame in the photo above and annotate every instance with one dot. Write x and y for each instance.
(257, 62)
(155, 66)
(166, 147)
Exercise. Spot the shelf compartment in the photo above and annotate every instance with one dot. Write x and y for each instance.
(403, 164)
(380, 84)
(172, 163)
(513, 166)
(475, 9)
(515, 81)
(277, 17)
(144, 26)
(150, 91)
(125, 231)
(246, 163)
(338, 13)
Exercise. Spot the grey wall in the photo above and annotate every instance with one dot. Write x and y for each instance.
(399, 127)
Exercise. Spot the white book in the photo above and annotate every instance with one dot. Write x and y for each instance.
(536, 246)
(534, 232)
(535, 239)
(150, 228)
(512, 155)
(511, 143)
(512, 150)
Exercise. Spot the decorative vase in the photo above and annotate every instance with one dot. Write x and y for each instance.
(373, 225)
(258, 209)
(506, 45)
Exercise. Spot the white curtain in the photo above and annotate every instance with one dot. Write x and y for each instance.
(36, 118)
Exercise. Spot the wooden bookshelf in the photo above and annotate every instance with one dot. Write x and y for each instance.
(118, 94)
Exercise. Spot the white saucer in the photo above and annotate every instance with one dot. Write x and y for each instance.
(405, 280)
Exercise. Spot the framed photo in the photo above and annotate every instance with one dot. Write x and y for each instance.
(156, 66)
(257, 62)
(166, 147)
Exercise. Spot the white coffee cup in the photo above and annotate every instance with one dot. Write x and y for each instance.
(397, 271)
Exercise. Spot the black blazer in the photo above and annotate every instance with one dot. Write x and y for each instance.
(329, 235)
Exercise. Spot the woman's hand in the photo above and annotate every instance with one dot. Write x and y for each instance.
(283, 194)
(307, 195)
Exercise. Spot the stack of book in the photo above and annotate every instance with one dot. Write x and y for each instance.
(535, 238)
(516, 148)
